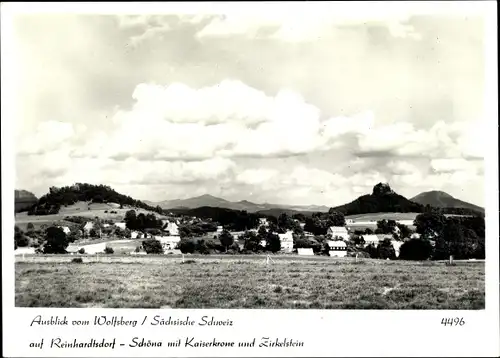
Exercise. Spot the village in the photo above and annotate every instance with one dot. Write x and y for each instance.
(96, 236)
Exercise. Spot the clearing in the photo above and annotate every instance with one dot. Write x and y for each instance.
(225, 281)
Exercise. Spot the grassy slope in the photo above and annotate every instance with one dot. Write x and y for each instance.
(234, 282)
(78, 209)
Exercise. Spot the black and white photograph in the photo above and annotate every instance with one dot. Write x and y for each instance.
(302, 160)
(217, 162)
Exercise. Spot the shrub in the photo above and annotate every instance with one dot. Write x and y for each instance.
(109, 250)
(415, 249)
(187, 246)
(152, 246)
(81, 251)
(77, 260)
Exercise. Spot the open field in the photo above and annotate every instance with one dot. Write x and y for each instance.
(225, 281)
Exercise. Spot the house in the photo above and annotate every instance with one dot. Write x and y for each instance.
(305, 252)
(65, 229)
(338, 248)
(106, 225)
(219, 229)
(338, 232)
(136, 235)
(168, 242)
(88, 226)
(263, 222)
(371, 239)
(286, 241)
(302, 225)
(415, 236)
(172, 228)
(397, 246)
(121, 225)
(263, 243)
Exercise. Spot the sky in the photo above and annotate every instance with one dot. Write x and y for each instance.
(311, 107)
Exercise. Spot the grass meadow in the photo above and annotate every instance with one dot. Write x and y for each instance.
(116, 281)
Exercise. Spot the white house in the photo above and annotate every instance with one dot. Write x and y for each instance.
(263, 243)
(172, 228)
(168, 242)
(88, 226)
(338, 248)
(305, 252)
(415, 236)
(286, 241)
(136, 235)
(371, 239)
(397, 246)
(338, 232)
(302, 225)
(219, 229)
(263, 222)
(121, 225)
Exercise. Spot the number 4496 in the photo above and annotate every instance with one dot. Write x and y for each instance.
(457, 321)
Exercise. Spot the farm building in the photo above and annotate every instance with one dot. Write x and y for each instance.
(338, 232)
(168, 242)
(302, 225)
(371, 239)
(286, 241)
(397, 246)
(337, 248)
(219, 229)
(415, 236)
(121, 225)
(136, 235)
(88, 226)
(305, 252)
(263, 222)
(172, 228)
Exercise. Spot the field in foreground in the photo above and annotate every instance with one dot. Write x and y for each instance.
(247, 282)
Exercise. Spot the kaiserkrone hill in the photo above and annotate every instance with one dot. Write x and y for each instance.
(52, 202)
(440, 199)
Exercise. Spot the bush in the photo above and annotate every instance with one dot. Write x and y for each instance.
(81, 251)
(109, 250)
(415, 249)
(77, 260)
(187, 246)
(152, 246)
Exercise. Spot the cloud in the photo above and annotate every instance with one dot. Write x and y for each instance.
(299, 26)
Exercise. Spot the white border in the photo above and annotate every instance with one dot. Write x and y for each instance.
(326, 333)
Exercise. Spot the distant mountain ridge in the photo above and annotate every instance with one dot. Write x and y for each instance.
(213, 201)
(440, 199)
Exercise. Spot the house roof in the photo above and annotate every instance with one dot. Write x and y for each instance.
(337, 243)
(338, 229)
(371, 237)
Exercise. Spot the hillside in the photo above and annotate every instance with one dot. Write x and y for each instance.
(440, 199)
(215, 202)
(23, 200)
(52, 202)
(382, 200)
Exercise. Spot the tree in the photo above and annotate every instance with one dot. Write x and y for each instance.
(187, 246)
(252, 241)
(131, 220)
(20, 239)
(368, 231)
(404, 231)
(430, 225)
(385, 226)
(201, 247)
(93, 233)
(226, 239)
(285, 222)
(30, 227)
(415, 249)
(335, 218)
(358, 240)
(273, 243)
(56, 241)
(372, 251)
(152, 246)
(109, 250)
(386, 250)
